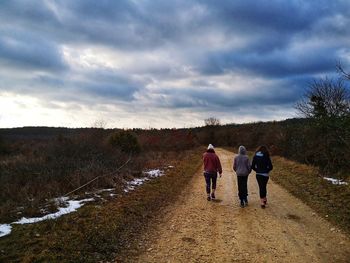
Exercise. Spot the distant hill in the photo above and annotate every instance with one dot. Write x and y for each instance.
(39, 132)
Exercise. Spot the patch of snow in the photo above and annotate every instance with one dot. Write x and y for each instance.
(139, 181)
(170, 166)
(135, 182)
(154, 173)
(5, 229)
(335, 181)
(61, 200)
(73, 205)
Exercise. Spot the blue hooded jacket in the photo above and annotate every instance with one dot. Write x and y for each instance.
(262, 164)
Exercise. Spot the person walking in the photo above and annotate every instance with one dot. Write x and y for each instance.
(262, 165)
(212, 166)
(242, 167)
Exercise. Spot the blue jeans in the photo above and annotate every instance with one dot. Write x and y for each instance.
(210, 178)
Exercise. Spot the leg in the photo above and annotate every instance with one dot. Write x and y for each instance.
(262, 185)
(207, 182)
(262, 181)
(214, 177)
(245, 189)
(240, 184)
(266, 180)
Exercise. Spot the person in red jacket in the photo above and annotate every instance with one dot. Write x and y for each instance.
(212, 166)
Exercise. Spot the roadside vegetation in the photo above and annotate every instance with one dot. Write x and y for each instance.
(305, 182)
(37, 169)
(100, 231)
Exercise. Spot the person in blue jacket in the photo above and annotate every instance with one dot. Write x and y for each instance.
(262, 165)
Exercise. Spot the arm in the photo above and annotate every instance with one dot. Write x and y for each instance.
(249, 167)
(234, 167)
(219, 168)
(253, 164)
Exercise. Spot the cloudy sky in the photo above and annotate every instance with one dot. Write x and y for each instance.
(152, 63)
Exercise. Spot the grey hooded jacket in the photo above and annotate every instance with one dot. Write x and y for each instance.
(241, 163)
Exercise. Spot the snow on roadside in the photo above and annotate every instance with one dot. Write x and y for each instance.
(150, 174)
(335, 181)
(154, 173)
(5, 229)
(73, 205)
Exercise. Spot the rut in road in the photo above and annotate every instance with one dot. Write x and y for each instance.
(195, 230)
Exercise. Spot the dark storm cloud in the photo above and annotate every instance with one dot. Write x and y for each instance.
(202, 96)
(108, 85)
(182, 44)
(21, 49)
(98, 86)
(275, 64)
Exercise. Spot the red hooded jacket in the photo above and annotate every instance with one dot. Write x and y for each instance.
(211, 162)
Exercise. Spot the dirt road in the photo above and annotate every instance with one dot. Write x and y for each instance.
(195, 230)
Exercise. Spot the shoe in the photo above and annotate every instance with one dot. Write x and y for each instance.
(208, 198)
(213, 195)
(242, 203)
(262, 202)
(246, 201)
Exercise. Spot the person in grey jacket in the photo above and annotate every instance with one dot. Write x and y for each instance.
(242, 167)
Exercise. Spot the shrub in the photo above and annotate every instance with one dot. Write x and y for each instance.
(125, 141)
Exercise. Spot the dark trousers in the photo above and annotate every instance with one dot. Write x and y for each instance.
(242, 187)
(210, 178)
(262, 182)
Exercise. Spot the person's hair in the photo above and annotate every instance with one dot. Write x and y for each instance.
(263, 149)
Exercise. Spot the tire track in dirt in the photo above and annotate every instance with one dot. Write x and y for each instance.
(195, 230)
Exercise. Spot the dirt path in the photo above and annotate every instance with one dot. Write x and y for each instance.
(195, 230)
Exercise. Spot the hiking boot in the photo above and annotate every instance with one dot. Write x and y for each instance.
(208, 198)
(263, 206)
(213, 195)
(242, 203)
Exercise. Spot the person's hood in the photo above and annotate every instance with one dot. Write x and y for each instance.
(242, 150)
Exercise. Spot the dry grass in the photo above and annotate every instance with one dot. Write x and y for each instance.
(99, 232)
(304, 182)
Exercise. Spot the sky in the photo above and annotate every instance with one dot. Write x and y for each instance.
(164, 64)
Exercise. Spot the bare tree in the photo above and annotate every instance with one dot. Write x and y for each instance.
(212, 122)
(99, 123)
(341, 70)
(325, 98)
